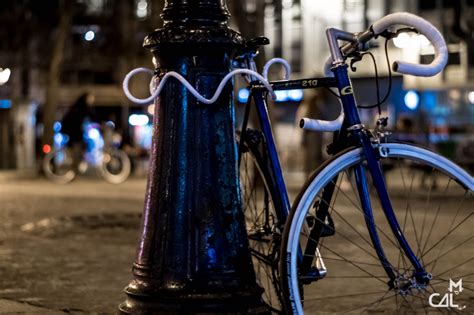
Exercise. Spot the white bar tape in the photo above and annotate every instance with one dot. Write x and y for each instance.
(425, 28)
(322, 125)
(188, 86)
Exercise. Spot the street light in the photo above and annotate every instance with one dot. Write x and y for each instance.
(89, 35)
(402, 40)
(411, 100)
(138, 120)
(470, 97)
(4, 75)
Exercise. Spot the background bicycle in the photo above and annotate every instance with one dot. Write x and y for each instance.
(63, 164)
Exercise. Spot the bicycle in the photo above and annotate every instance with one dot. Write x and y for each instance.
(317, 242)
(298, 249)
(111, 163)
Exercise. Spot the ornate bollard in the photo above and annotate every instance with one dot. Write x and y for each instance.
(193, 255)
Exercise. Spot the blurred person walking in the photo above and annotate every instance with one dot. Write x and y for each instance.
(72, 124)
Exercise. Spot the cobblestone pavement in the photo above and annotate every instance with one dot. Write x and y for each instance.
(67, 249)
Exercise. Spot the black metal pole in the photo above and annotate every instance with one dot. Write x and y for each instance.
(193, 255)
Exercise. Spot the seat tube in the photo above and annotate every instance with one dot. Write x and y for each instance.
(266, 128)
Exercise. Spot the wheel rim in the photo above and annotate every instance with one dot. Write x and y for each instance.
(116, 166)
(354, 272)
(113, 164)
(59, 166)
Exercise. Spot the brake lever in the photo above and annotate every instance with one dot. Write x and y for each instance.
(355, 58)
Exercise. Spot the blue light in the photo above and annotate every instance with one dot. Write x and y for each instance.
(93, 134)
(430, 100)
(295, 95)
(282, 96)
(138, 120)
(412, 100)
(57, 126)
(65, 138)
(5, 104)
(58, 140)
(243, 95)
(89, 36)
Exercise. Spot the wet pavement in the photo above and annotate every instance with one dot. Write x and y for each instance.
(69, 249)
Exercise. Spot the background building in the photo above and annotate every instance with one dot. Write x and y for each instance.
(437, 112)
(64, 48)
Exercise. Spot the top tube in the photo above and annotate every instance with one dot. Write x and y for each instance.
(309, 83)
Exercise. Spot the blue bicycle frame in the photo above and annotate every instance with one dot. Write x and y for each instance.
(360, 137)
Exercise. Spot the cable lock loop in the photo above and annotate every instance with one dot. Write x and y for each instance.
(156, 90)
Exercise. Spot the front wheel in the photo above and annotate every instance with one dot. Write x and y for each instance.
(116, 166)
(433, 202)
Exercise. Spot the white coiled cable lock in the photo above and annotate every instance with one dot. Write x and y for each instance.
(156, 90)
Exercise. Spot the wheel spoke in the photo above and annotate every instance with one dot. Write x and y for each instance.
(416, 234)
(452, 268)
(401, 254)
(350, 225)
(376, 302)
(355, 265)
(347, 239)
(343, 295)
(408, 303)
(353, 277)
(425, 214)
(449, 232)
(435, 219)
(355, 262)
(365, 216)
(409, 211)
(259, 216)
(450, 250)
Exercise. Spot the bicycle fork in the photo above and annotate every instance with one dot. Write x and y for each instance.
(352, 121)
(421, 276)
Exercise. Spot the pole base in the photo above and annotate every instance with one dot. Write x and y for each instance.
(195, 305)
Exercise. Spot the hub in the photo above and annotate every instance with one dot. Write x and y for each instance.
(405, 282)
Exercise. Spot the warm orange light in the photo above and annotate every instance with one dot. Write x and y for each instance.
(46, 148)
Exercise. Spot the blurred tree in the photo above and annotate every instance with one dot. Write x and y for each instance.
(62, 31)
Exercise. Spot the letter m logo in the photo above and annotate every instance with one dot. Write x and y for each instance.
(455, 285)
